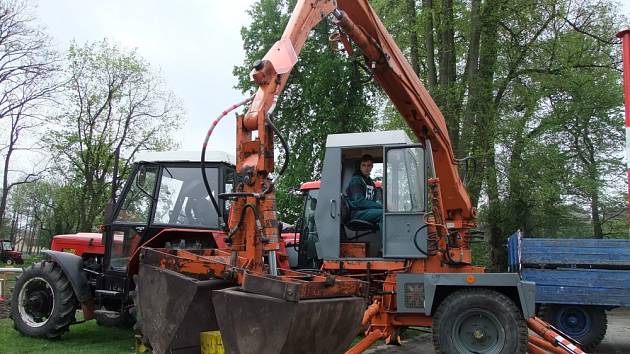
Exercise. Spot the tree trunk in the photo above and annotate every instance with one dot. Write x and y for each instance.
(447, 96)
(470, 81)
(486, 109)
(31, 235)
(115, 174)
(597, 222)
(413, 35)
(497, 249)
(427, 14)
(13, 226)
(480, 105)
(5, 182)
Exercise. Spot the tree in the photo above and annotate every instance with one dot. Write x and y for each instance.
(324, 95)
(28, 66)
(115, 106)
(587, 106)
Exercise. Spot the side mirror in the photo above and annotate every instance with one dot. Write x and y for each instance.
(142, 177)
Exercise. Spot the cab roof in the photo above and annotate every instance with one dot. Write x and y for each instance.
(387, 137)
(184, 156)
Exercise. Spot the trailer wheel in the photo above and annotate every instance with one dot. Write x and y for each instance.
(479, 321)
(585, 324)
(43, 303)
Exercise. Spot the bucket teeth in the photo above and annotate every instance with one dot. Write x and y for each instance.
(254, 323)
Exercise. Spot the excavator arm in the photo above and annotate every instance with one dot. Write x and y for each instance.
(358, 22)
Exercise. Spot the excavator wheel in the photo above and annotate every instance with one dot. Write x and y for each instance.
(479, 321)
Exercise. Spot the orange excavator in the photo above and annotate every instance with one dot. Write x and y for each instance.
(412, 270)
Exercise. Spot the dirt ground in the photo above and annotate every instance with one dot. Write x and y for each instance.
(4, 309)
(617, 340)
(5, 305)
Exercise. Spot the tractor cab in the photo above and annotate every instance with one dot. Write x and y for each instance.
(163, 204)
(330, 233)
(8, 254)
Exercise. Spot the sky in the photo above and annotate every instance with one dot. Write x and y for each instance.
(194, 44)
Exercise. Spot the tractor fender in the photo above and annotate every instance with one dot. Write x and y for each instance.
(72, 266)
(420, 292)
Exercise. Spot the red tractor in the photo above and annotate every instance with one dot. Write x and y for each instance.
(8, 255)
(163, 204)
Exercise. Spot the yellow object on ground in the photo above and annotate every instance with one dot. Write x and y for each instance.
(140, 347)
(211, 343)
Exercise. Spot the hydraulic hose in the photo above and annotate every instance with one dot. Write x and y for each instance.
(285, 146)
(203, 156)
(415, 239)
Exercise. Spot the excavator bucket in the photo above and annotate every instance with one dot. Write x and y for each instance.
(293, 313)
(174, 309)
(255, 323)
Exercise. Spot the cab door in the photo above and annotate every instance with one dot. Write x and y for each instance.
(405, 231)
(131, 219)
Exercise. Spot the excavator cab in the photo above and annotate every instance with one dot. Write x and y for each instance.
(403, 231)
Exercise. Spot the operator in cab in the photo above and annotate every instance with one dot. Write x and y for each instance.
(362, 193)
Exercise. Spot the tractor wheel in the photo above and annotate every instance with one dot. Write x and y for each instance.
(585, 324)
(479, 321)
(43, 303)
(9, 261)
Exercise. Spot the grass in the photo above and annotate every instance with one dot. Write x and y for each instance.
(86, 338)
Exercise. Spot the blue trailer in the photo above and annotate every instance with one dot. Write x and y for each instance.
(577, 280)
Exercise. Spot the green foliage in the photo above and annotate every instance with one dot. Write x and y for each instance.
(324, 95)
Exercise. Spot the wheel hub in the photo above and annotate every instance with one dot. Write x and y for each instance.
(478, 331)
(36, 302)
(479, 334)
(574, 321)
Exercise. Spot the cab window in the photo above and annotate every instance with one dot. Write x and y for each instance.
(183, 200)
(137, 202)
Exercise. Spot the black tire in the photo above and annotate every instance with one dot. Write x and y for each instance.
(499, 327)
(584, 324)
(43, 303)
(9, 261)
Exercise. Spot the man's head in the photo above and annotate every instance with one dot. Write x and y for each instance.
(366, 165)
